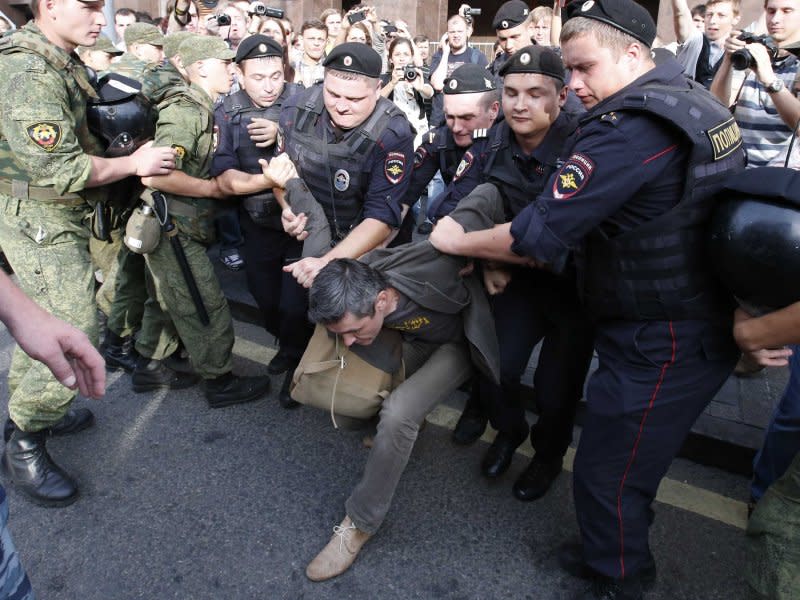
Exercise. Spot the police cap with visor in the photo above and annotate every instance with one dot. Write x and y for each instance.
(510, 14)
(625, 15)
(354, 57)
(534, 59)
(469, 79)
(258, 46)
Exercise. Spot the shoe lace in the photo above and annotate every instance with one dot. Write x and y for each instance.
(342, 533)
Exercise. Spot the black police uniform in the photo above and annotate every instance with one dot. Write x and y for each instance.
(267, 247)
(510, 14)
(536, 304)
(663, 334)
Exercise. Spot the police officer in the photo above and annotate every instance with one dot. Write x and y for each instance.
(631, 199)
(353, 149)
(238, 169)
(517, 158)
(50, 162)
(514, 27)
(185, 123)
(144, 43)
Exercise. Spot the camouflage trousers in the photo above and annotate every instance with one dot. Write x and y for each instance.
(209, 346)
(773, 539)
(48, 247)
(14, 582)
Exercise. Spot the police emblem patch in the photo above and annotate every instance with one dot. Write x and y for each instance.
(45, 135)
(573, 176)
(347, 61)
(587, 5)
(262, 48)
(394, 166)
(464, 165)
(525, 58)
(180, 151)
(453, 84)
(341, 180)
(503, 24)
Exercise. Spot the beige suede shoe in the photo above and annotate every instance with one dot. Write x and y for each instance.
(339, 554)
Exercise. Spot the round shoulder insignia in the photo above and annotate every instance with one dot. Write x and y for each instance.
(341, 180)
(587, 5)
(504, 24)
(262, 48)
(347, 61)
(524, 58)
(453, 84)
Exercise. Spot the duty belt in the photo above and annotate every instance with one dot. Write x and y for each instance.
(17, 188)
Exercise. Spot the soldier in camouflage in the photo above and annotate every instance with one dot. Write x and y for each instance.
(99, 57)
(48, 164)
(144, 43)
(186, 124)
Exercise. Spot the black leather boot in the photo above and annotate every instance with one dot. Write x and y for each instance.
(119, 352)
(534, 481)
(229, 389)
(28, 466)
(500, 454)
(152, 375)
(76, 419)
(284, 398)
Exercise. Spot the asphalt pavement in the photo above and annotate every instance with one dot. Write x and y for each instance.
(182, 501)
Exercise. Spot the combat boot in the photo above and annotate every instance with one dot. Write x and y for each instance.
(76, 419)
(28, 466)
(229, 389)
(152, 375)
(119, 352)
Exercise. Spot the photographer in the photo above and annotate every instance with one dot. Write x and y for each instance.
(765, 104)
(406, 86)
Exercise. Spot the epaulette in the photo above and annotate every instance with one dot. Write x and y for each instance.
(480, 134)
(611, 117)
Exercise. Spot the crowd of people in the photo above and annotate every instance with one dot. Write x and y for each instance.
(565, 183)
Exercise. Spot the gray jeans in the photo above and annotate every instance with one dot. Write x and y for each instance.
(433, 372)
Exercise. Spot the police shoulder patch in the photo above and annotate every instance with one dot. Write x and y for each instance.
(573, 176)
(464, 165)
(46, 135)
(180, 151)
(394, 167)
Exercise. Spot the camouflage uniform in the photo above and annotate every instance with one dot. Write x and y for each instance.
(129, 66)
(185, 122)
(44, 161)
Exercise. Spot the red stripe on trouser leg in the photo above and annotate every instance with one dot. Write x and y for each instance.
(653, 396)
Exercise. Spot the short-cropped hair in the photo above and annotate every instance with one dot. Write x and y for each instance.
(344, 286)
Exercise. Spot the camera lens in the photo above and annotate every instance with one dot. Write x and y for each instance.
(742, 59)
(410, 73)
(223, 20)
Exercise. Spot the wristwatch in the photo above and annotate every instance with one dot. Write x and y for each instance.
(775, 87)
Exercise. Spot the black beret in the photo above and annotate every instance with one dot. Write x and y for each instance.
(469, 79)
(534, 59)
(258, 46)
(355, 57)
(625, 15)
(510, 14)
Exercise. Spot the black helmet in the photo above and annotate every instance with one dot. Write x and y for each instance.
(121, 117)
(755, 238)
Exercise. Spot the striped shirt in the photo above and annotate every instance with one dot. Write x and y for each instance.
(766, 137)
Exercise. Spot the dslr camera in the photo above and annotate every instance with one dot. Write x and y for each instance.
(223, 20)
(410, 73)
(468, 12)
(742, 59)
(262, 10)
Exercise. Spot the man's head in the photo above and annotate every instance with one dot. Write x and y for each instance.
(351, 299)
(606, 46)
(514, 26)
(541, 17)
(351, 87)
(98, 57)
(699, 17)
(207, 60)
(720, 18)
(332, 19)
(315, 36)
(236, 31)
(783, 21)
(123, 18)
(146, 42)
(423, 44)
(259, 61)
(470, 102)
(533, 92)
(457, 33)
(69, 23)
(172, 42)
